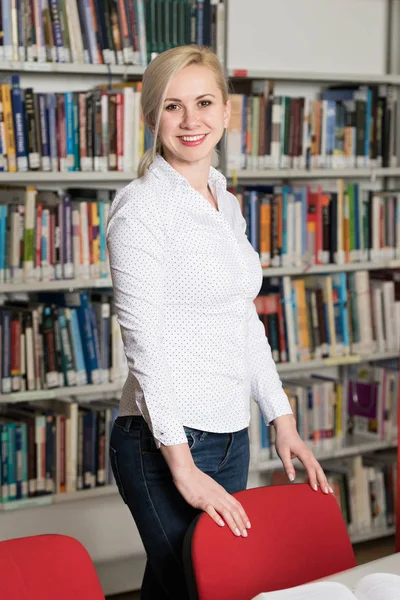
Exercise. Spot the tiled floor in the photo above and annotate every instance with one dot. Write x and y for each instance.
(364, 553)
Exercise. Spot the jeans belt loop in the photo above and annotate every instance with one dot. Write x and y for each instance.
(128, 424)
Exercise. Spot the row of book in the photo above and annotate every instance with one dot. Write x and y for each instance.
(362, 405)
(46, 235)
(60, 340)
(345, 127)
(114, 32)
(305, 225)
(328, 316)
(54, 447)
(98, 130)
(103, 129)
(365, 488)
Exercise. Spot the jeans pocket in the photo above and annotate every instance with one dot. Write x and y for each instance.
(228, 447)
(191, 436)
(117, 477)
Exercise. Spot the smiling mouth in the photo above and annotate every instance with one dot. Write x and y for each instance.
(192, 138)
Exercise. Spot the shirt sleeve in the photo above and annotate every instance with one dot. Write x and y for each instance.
(266, 386)
(135, 240)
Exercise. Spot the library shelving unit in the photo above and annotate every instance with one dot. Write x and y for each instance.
(261, 465)
(121, 569)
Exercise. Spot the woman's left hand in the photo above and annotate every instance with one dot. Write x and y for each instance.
(289, 445)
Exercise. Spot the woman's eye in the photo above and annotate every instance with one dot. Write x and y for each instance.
(171, 107)
(205, 102)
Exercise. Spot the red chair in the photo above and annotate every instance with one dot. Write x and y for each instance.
(296, 536)
(47, 567)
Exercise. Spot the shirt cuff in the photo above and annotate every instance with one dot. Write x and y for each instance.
(277, 406)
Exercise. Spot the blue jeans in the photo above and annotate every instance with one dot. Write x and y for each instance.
(161, 514)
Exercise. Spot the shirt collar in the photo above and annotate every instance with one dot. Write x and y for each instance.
(162, 169)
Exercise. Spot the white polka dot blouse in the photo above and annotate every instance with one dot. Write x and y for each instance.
(185, 277)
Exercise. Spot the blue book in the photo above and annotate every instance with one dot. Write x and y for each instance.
(81, 375)
(24, 460)
(69, 128)
(11, 462)
(19, 124)
(80, 301)
(102, 238)
(75, 111)
(3, 462)
(339, 286)
(254, 215)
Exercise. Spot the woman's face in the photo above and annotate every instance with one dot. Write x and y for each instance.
(193, 116)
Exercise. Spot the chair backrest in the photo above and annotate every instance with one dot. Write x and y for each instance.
(47, 567)
(296, 536)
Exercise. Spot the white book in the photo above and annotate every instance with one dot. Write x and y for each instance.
(129, 128)
(388, 299)
(375, 586)
(364, 311)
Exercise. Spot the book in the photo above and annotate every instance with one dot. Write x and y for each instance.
(375, 586)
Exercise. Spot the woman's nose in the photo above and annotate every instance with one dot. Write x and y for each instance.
(189, 119)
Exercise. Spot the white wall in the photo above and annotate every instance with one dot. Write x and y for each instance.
(328, 36)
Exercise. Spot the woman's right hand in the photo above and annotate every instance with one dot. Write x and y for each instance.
(202, 492)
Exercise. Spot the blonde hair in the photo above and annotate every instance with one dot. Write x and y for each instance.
(156, 79)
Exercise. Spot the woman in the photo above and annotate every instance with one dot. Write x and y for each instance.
(185, 277)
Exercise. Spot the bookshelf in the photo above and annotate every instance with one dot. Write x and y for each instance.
(318, 269)
(62, 392)
(244, 176)
(50, 499)
(72, 69)
(59, 179)
(298, 76)
(99, 506)
(339, 448)
(58, 284)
